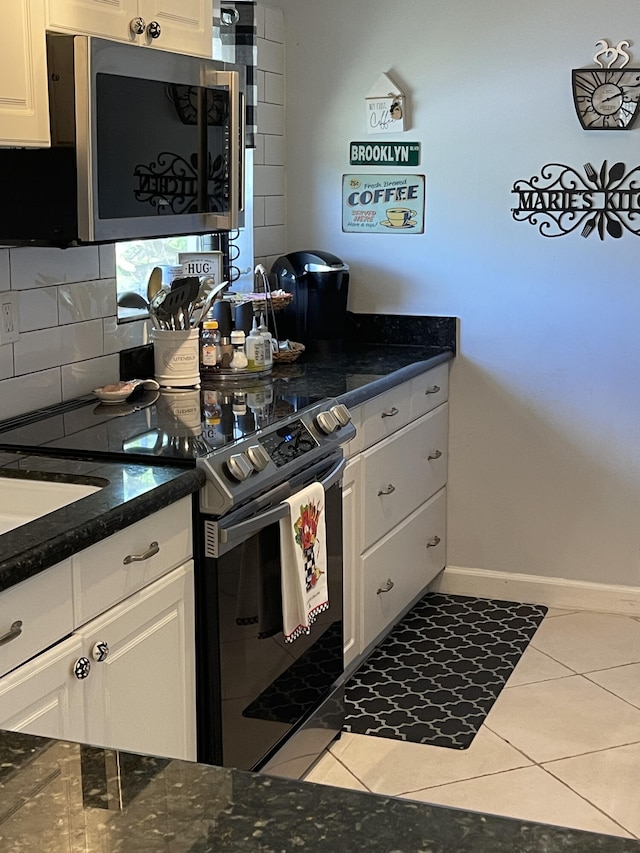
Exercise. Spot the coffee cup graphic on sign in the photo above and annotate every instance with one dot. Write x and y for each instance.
(399, 217)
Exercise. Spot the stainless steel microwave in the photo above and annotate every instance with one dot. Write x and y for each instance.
(144, 143)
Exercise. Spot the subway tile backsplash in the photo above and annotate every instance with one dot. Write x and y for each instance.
(66, 307)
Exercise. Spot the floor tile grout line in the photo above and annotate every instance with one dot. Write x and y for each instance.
(561, 757)
(348, 769)
(587, 800)
(555, 660)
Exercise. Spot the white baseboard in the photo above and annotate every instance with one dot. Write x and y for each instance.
(554, 592)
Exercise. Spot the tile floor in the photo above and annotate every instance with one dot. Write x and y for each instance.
(561, 745)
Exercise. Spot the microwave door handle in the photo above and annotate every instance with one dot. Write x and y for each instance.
(242, 142)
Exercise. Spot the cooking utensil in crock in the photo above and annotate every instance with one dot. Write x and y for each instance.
(174, 304)
(199, 312)
(155, 283)
(131, 299)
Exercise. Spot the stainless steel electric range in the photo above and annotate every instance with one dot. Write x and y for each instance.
(262, 704)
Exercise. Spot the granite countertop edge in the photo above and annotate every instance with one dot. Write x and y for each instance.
(403, 374)
(33, 547)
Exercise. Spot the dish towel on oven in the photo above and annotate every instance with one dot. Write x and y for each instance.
(303, 557)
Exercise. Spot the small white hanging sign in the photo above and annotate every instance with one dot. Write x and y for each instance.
(385, 106)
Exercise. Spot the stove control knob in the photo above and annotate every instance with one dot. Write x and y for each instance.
(258, 457)
(327, 422)
(239, 467)
(341, 414)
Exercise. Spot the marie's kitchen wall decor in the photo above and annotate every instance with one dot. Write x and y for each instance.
(562, 200)
(606, 98)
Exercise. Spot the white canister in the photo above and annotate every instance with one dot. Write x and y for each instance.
(176, 357)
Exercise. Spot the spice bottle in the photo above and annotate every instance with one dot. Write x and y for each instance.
(209, 347)
(239, 359)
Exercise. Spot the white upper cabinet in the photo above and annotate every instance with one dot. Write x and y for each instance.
(24, 112)
(185, 26)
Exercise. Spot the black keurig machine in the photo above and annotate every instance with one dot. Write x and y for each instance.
(319, 282)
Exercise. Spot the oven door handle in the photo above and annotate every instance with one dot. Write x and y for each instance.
(244, 529)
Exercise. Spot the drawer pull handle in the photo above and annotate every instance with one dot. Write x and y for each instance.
(390, 413)
(435, 455)
(386, 588)
(387, 490)
(14, 631)
(433, 390)
(435, 540)
(136, 558)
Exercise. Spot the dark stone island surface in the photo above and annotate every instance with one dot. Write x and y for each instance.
(61, 796)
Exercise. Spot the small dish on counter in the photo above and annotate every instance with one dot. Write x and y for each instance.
(118, 392)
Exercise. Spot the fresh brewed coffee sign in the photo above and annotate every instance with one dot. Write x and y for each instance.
(561, 200)
(383, 204)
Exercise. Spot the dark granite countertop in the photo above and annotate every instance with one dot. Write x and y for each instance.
(57, 795)
(128, 494)
(357, 374)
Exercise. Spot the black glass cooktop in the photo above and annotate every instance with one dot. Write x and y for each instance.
(166, 426)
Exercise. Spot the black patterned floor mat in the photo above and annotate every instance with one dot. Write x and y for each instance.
(437, 674)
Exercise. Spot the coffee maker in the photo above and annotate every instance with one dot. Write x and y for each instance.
(319, 282)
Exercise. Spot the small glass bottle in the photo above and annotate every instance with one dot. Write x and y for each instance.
(239, 359)
(255, 345)
(210, 347)
(268, 343)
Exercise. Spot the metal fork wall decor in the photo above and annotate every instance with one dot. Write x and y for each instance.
(561, 200)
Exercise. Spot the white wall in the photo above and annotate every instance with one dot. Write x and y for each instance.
(545, 406)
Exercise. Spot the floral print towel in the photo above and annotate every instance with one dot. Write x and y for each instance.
(303, 556)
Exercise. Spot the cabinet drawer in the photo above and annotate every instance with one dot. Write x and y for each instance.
(102, 578)
(429, 390)
(400, 473)
(406, 561)
(44, 606)
(385, 414)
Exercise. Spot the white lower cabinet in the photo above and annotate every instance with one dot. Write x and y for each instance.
(351, 550)
(125, 680)
(397, 569)
(113, 662)
(42, 697)
(141, 696)
(394, 506)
